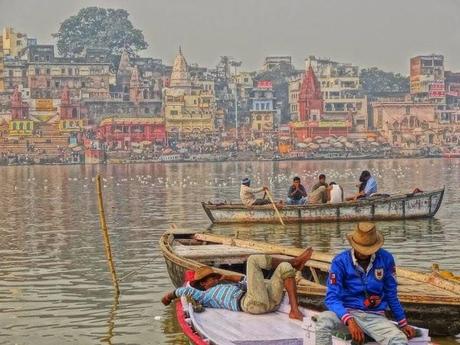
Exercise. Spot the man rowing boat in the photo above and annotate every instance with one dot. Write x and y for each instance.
(251, 293)
(247, 194)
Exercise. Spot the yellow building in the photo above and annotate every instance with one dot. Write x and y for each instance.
(188, 107)
(262, 121)
(2, 80)
(21, 128)
(13, 42)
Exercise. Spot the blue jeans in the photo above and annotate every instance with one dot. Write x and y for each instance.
(382, 330)
(301, 201)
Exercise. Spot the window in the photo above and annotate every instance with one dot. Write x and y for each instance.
(10, 72)
(70, 71)
(48, 72)
(407, 110)
(47, 58)
(48, 83)
(36, 58)
(14, 126)
(173, 112)
(28, 126)
(83, 84)
(37, 71)
(62, 70)
(56, 84)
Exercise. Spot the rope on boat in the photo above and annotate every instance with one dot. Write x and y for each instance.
(138, 269)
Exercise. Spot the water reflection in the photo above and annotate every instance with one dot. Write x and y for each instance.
(111, 321)
(54, 283)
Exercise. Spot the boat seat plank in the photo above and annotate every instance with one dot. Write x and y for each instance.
(212, 250)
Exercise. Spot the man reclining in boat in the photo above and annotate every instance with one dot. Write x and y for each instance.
(361, 286)
(250, 293)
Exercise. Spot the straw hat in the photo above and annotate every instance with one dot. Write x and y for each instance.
(365, 239)
(201, 273)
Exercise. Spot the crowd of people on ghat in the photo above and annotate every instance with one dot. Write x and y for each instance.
(361, 286)
(320, 193)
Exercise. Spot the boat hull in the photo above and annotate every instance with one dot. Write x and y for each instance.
(420, 205)
(441, 316)
(431, 316)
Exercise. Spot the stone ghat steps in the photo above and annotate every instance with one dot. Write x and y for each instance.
(51, 145)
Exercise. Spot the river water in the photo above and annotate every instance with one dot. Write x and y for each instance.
(54, 282)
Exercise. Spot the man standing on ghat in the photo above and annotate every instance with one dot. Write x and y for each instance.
(361, 286)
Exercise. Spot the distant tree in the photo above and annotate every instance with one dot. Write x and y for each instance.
(99, 27)
(376, 82)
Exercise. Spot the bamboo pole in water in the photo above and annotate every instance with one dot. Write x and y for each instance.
(274, 206)
(105, 233)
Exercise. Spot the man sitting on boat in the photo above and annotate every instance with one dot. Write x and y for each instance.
(251, 293)
(334, 193)
(297, 195)
(318, 193)
(247, 194)
(361, 286)
(367, 186)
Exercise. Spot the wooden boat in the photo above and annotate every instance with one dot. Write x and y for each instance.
(225, 327)
(389, 207)
(429, 300)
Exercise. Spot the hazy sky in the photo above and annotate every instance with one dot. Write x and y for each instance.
(383, 33)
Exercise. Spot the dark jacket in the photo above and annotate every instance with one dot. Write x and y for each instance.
(298, 194)
(348, 286)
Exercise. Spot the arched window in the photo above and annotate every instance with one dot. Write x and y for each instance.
(14, 126)
(74, 113)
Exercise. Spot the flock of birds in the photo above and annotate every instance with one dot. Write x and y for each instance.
(275, 179)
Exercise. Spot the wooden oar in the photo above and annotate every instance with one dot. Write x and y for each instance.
(274, 206)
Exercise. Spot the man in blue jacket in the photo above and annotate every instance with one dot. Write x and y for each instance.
(361, 286)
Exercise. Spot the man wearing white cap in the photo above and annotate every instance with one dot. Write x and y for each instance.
(247, 194)
(361, 286)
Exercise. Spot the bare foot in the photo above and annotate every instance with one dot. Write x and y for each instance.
(299, 261)
(295, 314)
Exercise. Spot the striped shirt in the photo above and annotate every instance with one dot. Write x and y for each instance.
(223, 296)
